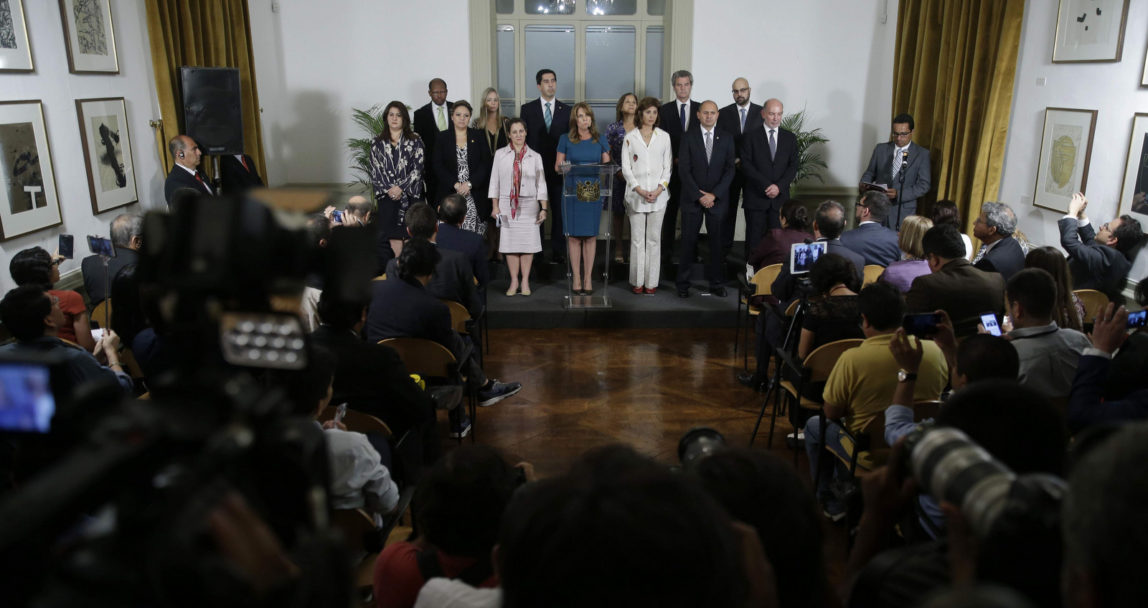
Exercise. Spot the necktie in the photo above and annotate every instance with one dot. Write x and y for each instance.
(709, 145)
(682, 113)
(441, 119)
(243, 159)
(980, 253)
(549, 116)
(896, 162)
(743, 120)
(772, 145)
(199, 178)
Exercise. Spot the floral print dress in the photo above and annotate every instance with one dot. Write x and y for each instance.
(399, 165)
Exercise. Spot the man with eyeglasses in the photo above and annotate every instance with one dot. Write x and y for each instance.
(903, 167)
(1099, 258)
(740, 117)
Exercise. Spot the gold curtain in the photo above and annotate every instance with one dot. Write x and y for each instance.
(954, 72)
(203, 33)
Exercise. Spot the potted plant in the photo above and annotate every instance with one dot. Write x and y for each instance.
(809, 161)
(372, 122)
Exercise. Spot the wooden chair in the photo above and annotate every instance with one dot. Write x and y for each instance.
(1094, 303)
(101, 314)
(461, 322)
(872, 271)
(381, 277)
(761, 285)
(869, 449)
(357, 421)
(430, 359)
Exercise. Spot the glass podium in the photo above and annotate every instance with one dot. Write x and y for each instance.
(584, 189)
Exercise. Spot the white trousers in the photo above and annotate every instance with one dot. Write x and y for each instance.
(645, 247)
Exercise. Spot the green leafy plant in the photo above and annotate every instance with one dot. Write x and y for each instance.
(372, 122)
(809, 160)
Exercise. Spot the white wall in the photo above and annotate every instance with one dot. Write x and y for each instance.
(314, 61)
(832, 57)
(57, 89)
(1111, 88)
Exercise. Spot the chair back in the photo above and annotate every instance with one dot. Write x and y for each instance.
(102, 314)
(821, 361)
(357, 421)
(872, 271)
(764, 278)
(459, 316)
(1094, 303)
(424, 357)
(381, 277)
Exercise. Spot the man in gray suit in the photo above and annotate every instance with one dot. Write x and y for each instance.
(903, 167)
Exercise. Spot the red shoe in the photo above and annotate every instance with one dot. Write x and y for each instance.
(638, 290)
(651, 290)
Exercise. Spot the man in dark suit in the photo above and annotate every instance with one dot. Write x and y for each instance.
(428, 121)
(740, 117)
(238, 174)
(876, 243)
(769, 160)
(453, 279)
(185, 173)
(127, 235)
(1000, 251)
(705, 163)
(547, 119)
(828, 225)
(1099, 259)
(451, 212)
(954, 285)
(676, 118)
(903, 167)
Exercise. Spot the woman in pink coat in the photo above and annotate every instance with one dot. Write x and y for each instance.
(519, 203)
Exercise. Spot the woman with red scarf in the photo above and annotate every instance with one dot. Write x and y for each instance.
(519, 200)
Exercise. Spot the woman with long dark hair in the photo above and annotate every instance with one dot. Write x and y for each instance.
(397, 165)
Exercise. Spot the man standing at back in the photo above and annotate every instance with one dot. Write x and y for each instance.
(903, 167)
(428, 121)
(769, 159)
(547, 119)
(740, 117)
(706, 165)
(185, 174)
(676, 118)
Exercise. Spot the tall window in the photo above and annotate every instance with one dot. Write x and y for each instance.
(599, 50)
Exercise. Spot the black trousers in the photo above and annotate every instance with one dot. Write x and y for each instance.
(758, 221)
(714, 218)
(729, 222)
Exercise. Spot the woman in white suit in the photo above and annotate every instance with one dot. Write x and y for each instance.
(647, 161)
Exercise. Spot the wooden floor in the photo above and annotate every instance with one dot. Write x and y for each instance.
(584, 388)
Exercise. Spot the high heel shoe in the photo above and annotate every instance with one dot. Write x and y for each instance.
(511, 291)
(525, 291)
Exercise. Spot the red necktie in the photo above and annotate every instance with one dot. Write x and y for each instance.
(243, 159)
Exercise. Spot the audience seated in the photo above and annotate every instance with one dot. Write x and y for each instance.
(127, 236)
(1101, 259)
(1126, 372)
(861, 386)
(912, 264)
(318, 232)
(37, 267)
(1001, 252)
(452, 278)
(877, 244)
(452, 211)
(833, 313)
(33, 317)
(827, 226)
(457, 509)
(774, 248)
(1048, 353)
(1086, 403)
(1069, 311)
(621, 531)
(954, 285)
(946, 212)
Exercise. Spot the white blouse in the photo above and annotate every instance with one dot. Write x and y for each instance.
(646, 167)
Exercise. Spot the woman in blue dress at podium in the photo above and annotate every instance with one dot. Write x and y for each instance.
(581, 146)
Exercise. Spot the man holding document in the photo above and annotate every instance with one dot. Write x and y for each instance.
(901, 168)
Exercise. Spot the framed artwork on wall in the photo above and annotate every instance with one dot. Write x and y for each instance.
(28, 200)
(1065, 149)
(15, 52)
(1144, 75)
(1089, 30)
(89, 37)
(107, 152)
(1135, 188)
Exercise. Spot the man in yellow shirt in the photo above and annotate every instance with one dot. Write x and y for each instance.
(861, 385)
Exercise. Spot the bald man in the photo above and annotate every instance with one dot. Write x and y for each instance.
(428, 121)
(738, 118)
(705, 163)
(185, 173)
(769, 159)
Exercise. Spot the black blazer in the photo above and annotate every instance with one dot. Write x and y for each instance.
(470, 244)
(400, 309)
(452, 280)
(178, 178)
(1093, 265)
(1007, 258)
(671, 122)
(876, 243)
(697, 174)
(540, 139)
(961, 290)
(784, 286)
(237, 179)
(917, 174)
(761, 171)
(92, 269)
(445, 162)
(424, 123)
(729, 120)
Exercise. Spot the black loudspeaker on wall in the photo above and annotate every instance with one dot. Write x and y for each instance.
(211, 109)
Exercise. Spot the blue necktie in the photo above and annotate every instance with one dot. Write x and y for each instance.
(683, 115)
(549, 116)
(743, 120)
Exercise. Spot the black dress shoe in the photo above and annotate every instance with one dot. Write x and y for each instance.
(750, 380)
(684, 293)
(719, 291)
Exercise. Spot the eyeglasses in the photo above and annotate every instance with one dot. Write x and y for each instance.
(905, 134)
(743, 90)
(57, 261)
